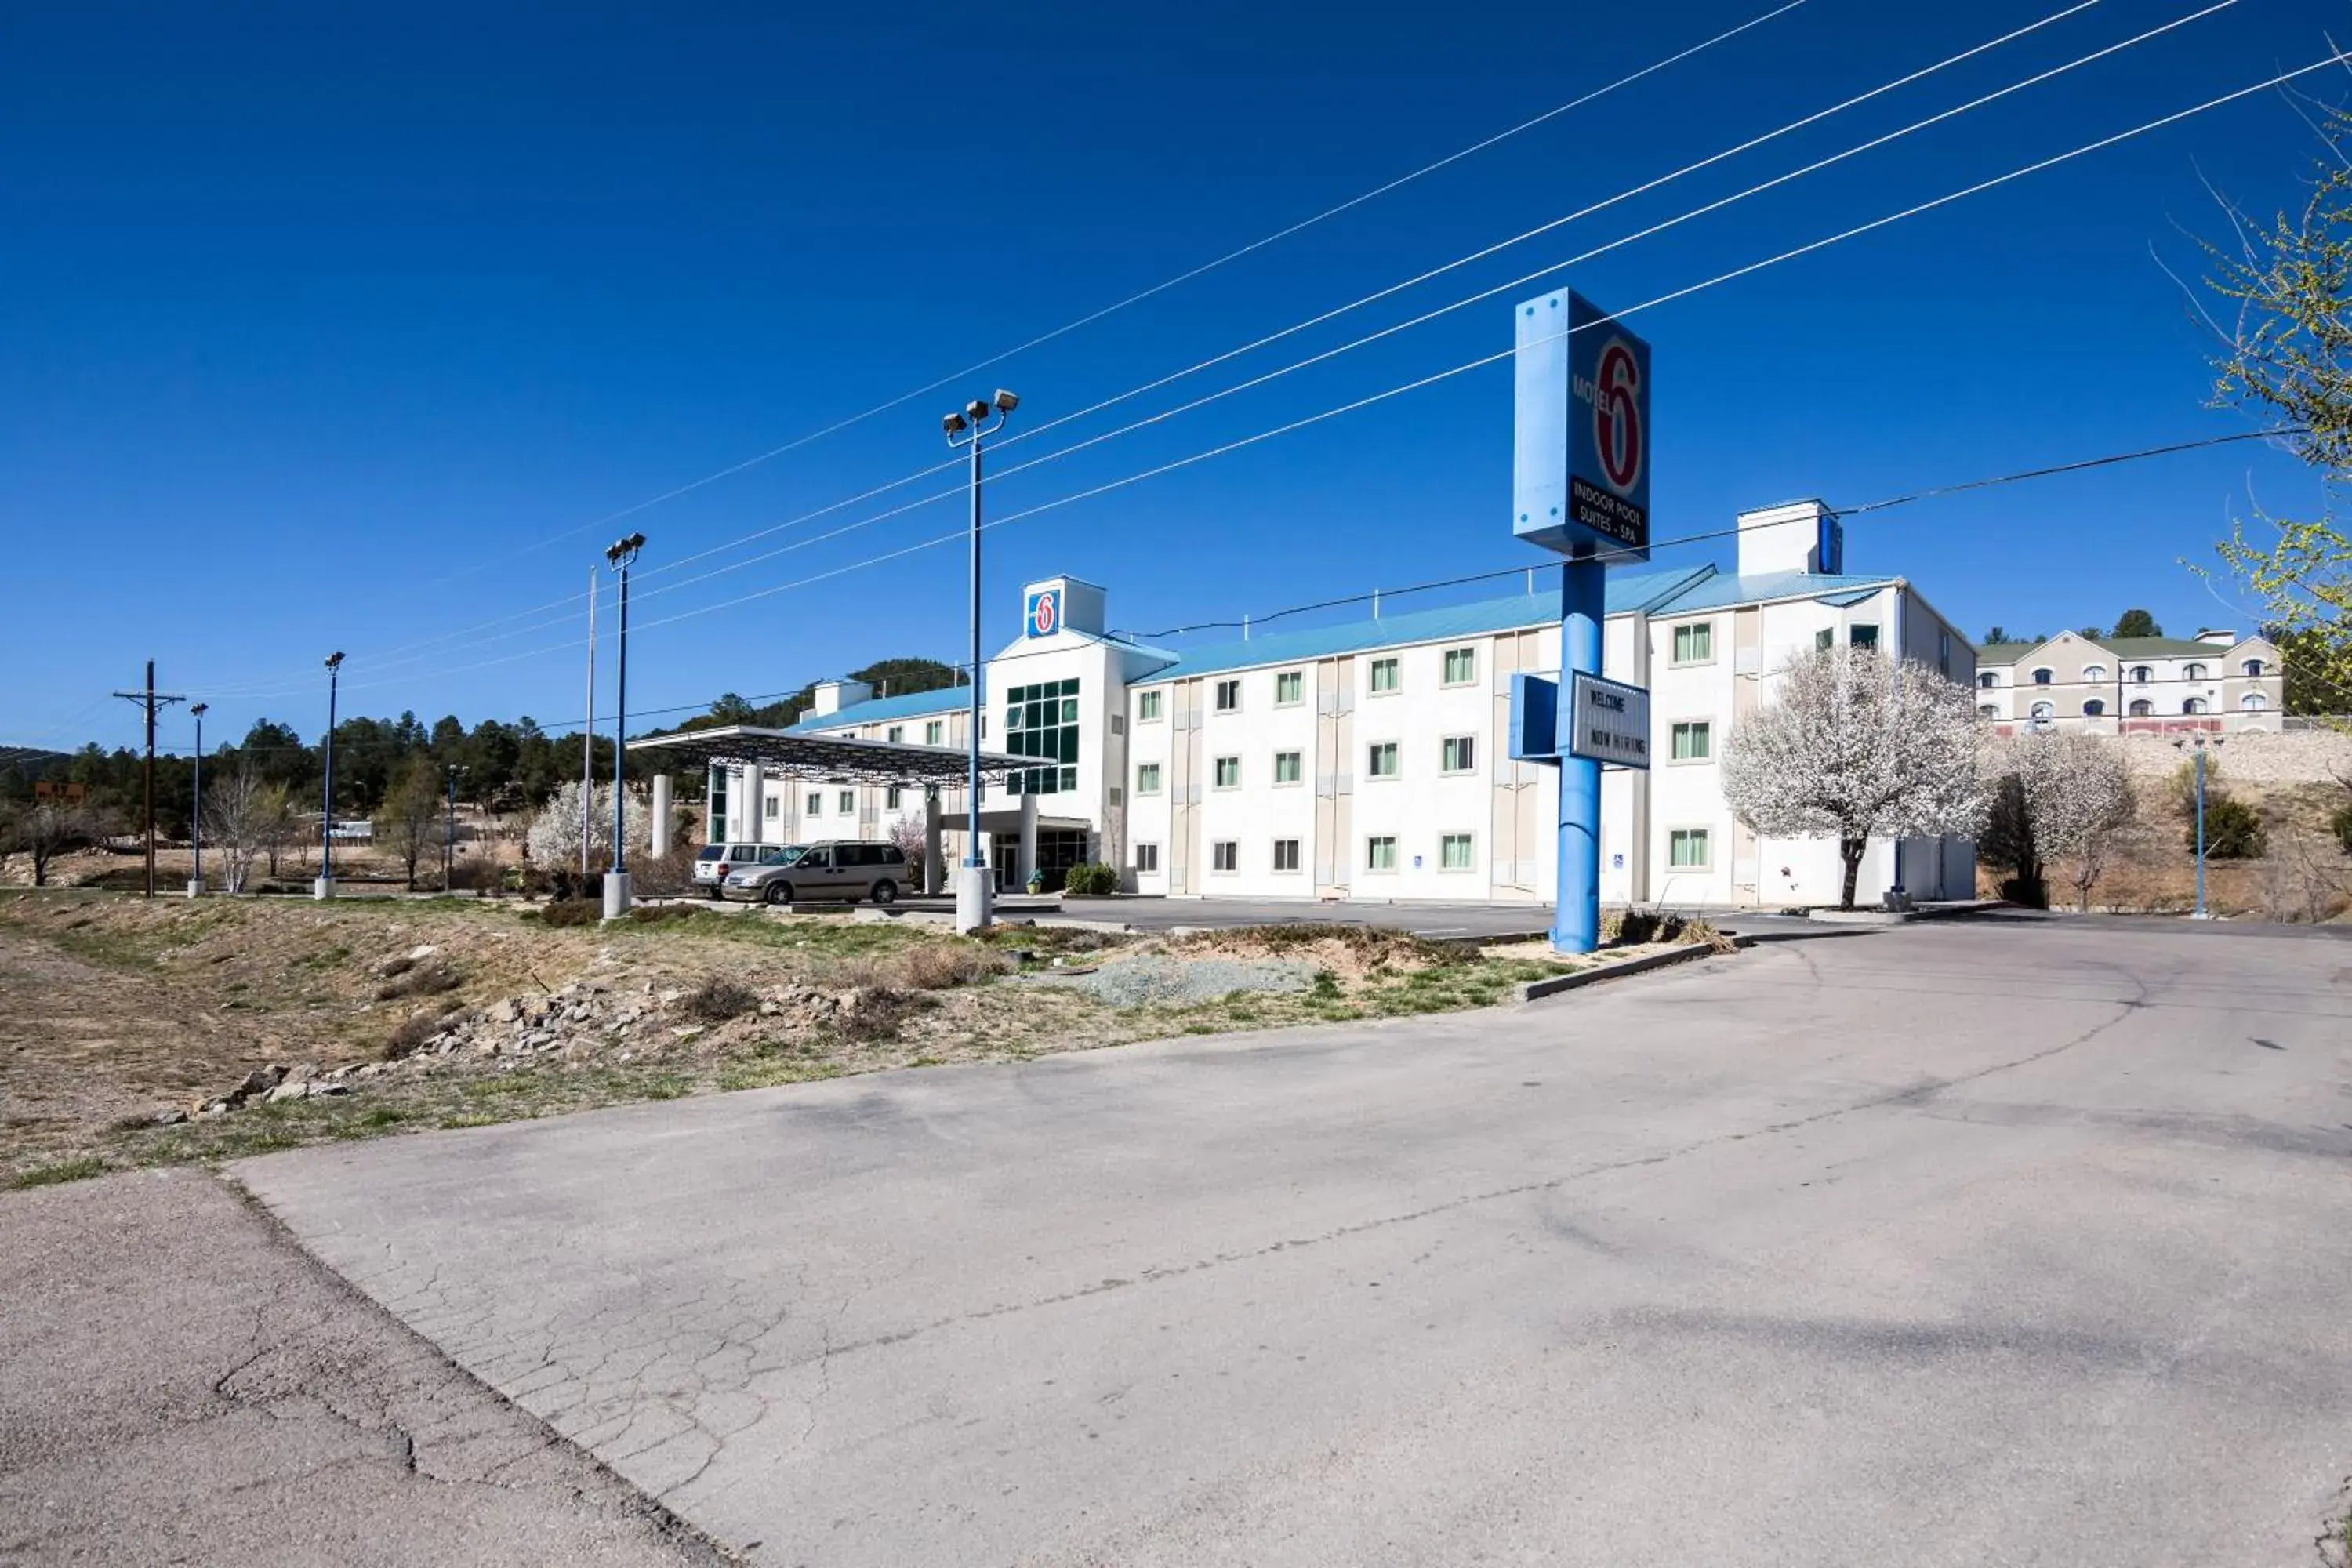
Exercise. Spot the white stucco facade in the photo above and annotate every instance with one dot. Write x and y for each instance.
(1370, 759)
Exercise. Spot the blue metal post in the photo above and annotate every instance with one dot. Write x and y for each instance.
(327, 785)
(621, 721)
(1576, 909)
(971, 854)
(2201, 828)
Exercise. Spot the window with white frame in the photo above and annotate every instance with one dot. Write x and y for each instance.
(2254, 702)
(1689, 849)
(1691, 741)
(2254, 669)
(2192, 672)
(1380, 853)
(1863, 636)
(891, 797)
(2142, 675)
(2194, 705)
(1985, 678)
(1461, 665)
(935, 732)
(2042, 712)
(848, 803)
(1987, 711)
(1289, 687)
(1226, 855)
(1380, 760)
(1147, 858)
(1286, 853)
(1454, 851)
(2094, 672)
(1457, 754)
(1826, 639)
(1286, 767)
(1147, 706)
(1695, 643)
(772, 808)
(2044, 675)
(1228, 696)
(896, 734)
(1118, 723)
(1383, 676)
(815, 803)
(1146, 778)
(1229, 772)
(2142, 708)
(2095, 709)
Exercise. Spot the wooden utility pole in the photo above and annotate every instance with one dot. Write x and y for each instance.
(150, 699)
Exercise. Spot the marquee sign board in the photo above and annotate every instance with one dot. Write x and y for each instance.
(1581, 464)
(1607, 721)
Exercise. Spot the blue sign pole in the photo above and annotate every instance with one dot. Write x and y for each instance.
(1581, 488)
(1576, 913)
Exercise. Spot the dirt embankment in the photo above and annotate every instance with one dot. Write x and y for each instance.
(136, 1032)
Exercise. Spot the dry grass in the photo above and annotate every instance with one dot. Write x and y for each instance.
(113, 1009)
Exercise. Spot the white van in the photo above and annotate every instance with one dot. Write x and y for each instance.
(716, 861)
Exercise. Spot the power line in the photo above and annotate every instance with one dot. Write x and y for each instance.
(1138, 298)
(953, 491)
(1357, 404)
(1523, 280)
(1523, 569)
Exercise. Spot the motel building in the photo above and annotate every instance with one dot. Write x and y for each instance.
(1370, 759)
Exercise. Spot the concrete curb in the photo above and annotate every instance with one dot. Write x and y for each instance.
(1535, 990)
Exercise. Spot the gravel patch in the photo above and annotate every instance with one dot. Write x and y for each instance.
(1149, 979)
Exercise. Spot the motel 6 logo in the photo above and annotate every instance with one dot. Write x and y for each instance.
(1618, 438)
(1043, 616)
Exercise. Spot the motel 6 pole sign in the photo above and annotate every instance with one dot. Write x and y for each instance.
(1581, 489)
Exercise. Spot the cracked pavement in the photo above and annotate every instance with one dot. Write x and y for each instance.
(1951, 1244)
(180, 1383)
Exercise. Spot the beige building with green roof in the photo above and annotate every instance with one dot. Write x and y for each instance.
(2215, 680)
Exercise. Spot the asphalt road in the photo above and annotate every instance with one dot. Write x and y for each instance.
(180, 1383)
(1957, 1244)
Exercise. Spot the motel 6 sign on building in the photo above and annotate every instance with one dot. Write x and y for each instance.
(1581, 489)
(1042, 615)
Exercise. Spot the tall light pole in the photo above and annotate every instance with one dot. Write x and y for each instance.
(975, 887)
(449, 833)
(196, 807)
(324, 888)
(2197, 743)
(619, 556)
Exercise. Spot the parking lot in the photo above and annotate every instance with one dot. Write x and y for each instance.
(1954, 1244)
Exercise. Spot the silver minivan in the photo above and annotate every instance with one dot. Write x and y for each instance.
(833, 869)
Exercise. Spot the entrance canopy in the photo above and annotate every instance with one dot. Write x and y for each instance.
(781, 753)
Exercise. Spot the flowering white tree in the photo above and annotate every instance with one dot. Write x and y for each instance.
(2077, 795)
(236, 813)
(1856, 747)
(553, 838)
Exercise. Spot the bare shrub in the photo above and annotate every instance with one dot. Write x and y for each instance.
(412, 979)
(718, 999)
(408, 1036)
(2304, 878)
(572, 912)
(941, 966)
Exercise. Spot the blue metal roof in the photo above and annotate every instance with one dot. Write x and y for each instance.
(1688, 589)
(1727, 589)
(882, 710)
(1629, 591)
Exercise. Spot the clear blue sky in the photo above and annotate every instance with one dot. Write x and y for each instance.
(317, 331)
